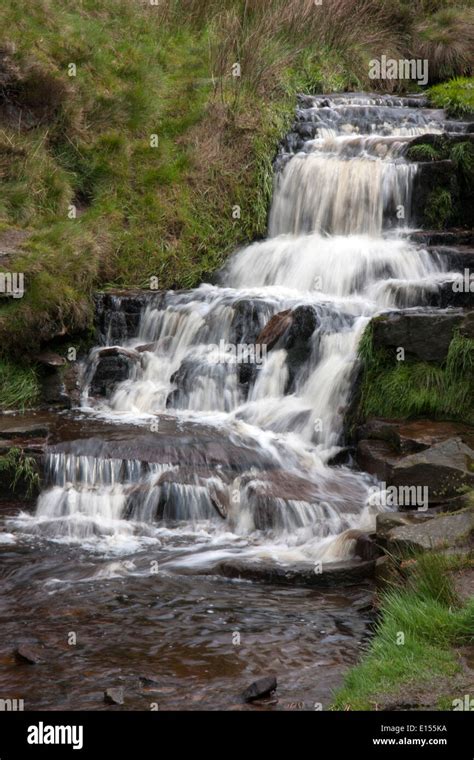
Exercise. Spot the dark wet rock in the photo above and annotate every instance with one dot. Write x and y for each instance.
(31, 654)
(456, 258)
(176, 443)
(384, 572)
(366, 547)
(21, 427)
(128, 353)
(434, 534)
(118, 313)
(261, 688)
(114, 365)
(275, 328)
(452, 237)
(408, 436)
(445, 468)
(424, 335)
(449, 294)
(53, 390)
(376, 457)
(441, 464)
(220, 498)
(250, 316)
(346, 573)
(298, 340)
(147, 347)
(114, 696)
(432, 176)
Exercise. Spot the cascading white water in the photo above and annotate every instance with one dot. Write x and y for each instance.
(327, 263)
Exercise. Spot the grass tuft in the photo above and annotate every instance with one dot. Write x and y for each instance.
(432, 620)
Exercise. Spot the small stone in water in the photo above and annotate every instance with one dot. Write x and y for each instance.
(260, 688)
(114, 696)
(29, 653)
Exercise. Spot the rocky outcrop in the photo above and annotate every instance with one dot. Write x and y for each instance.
(436, 456)
(423, 335)
(413, 534)
(118, 312)
(113, 365)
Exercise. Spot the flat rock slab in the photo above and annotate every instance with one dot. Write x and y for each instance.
(303, 574)
(434, 534)
(408, 436)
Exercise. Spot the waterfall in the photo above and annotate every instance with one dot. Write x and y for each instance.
(257, 371)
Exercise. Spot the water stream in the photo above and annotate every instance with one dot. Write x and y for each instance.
(226, 441)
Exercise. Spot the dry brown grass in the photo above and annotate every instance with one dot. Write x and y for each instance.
(447, 41)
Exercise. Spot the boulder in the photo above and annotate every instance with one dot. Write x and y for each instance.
(445, 468)
(114, 365)
(275, 328)
(114, 696)
(118, 313)
(377, 458)
(434, 534)
(424, 335)
(31, 654)
(385, 522)
(261, 688)
(298, 340)
(430, 176)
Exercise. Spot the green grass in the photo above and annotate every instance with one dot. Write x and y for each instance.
(433, 622)
(163, 70)
(21, 470)
(424, 152)
(19, 387)
(439, 208)
(450, 202)
(456, 95)
(399, 390)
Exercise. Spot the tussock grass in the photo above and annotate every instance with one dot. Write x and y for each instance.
(432, 620)
(414, 388)
(457, 96)
(19, 386)
(20, 469)
(446, 40)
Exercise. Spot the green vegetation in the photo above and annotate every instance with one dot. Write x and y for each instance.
(424, 152)
(20, 469)
(19, 387)
(457, 96)
(413, 388)
(101, 206)
(451, 199)
(426, 609)
(439, 208)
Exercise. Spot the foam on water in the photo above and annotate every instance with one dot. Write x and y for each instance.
(336, 251)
